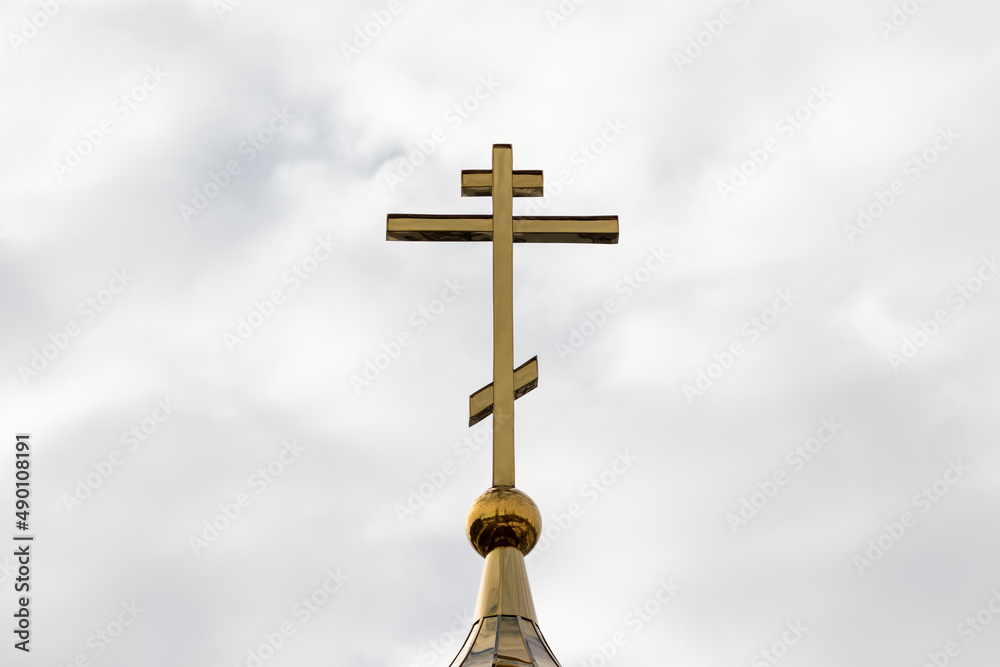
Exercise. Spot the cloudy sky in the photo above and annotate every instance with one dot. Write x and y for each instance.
(765, 427)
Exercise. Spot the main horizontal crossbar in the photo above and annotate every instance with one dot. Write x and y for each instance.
(544, 229)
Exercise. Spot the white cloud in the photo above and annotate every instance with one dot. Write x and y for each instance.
(550, 94)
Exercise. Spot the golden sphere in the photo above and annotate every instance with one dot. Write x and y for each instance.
(503, 517)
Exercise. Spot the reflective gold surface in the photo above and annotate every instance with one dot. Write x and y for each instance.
(503, 316)
(506, 632)
(502, 183)
(551, 229)
(557, 229)
(503, 524)
(505, 589)
(439, 227)
(504, 641)
(503, 517)
(481, 402)
(479, 183)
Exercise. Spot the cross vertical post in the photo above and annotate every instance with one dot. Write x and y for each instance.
(503, 316)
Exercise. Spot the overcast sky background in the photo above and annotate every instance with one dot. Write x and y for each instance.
(666, 122)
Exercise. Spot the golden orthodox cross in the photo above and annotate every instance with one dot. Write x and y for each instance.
(503, 229)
